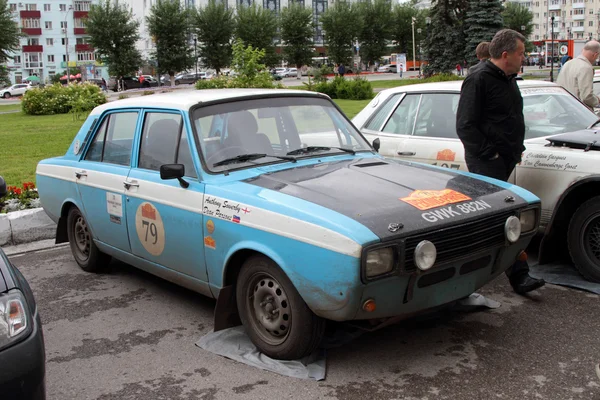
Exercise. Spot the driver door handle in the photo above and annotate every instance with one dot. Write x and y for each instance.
(407, 153)
(129, 184)
(79, 174)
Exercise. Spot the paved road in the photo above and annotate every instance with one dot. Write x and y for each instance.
(128, 335)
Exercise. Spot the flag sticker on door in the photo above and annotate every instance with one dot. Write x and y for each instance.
(114, 204)
(446, 155)
(150, 228)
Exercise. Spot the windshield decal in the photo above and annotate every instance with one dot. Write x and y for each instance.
(426, 199)
(541, 90)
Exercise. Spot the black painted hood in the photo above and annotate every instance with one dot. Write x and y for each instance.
(377, 192)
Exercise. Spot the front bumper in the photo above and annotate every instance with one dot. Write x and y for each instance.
(22, 367)
(407, 295)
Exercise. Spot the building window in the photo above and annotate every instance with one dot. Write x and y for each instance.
(50, 58)
(244, 3)
(17, 59)
(82, 40)
(62, 7)
(30, 23)
(592, 11)
(591, 23)
(33, 42)
(47, 7)
(33, 60)
(13, 6)
(48, 24)
(272, 5)
(319, 7)
(63, 41)
(63, 24)
(82, 5)
(86, 56)
(537, 37)
(49, 42)
(31, 7)
(79, 23)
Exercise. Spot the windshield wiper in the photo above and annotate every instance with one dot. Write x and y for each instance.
(594, 124)
(250, 157)
(312, 149)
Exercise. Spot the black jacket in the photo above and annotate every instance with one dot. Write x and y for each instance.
(490, 118)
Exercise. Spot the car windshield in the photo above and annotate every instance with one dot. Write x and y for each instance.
(272, 127)
(552, 110)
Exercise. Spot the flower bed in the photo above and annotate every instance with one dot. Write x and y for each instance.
(20, 198)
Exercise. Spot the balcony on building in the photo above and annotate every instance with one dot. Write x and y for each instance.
(33, 48)
(80, 14)
(79, 31)
(578, 29)
(578, 17)
(84, 47)
(579, 4)
(32, 31)
(554, 7)
(35, 14)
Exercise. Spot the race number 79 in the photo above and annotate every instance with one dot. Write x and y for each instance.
(151, 227)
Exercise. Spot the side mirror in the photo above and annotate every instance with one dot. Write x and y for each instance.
(376, 144)
(174, 171)
(2, 187)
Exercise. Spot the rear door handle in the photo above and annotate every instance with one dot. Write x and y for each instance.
(129, 184)
(407, 153)
(79, 174)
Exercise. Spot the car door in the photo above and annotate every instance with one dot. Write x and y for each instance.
(434, 139)
(393, 123)
(20, 89)
(101, 174)
(164, 219)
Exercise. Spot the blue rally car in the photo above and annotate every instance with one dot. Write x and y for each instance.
(272, 202)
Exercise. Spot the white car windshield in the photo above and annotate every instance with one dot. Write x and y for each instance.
(552, 110)
(278, 129)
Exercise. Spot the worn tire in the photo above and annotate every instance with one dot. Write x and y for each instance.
(259, 279)
(85, 252)
(584, 239)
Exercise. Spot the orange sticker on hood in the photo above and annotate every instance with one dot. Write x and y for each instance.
(426, 199)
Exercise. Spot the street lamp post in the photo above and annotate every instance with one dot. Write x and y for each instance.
(420, 56)
(552, 51)
(195, 56)
(67, 43)
(413, 37)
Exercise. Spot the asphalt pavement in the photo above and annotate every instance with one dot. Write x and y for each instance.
(126, 335)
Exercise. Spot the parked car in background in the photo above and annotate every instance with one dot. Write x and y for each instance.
(22, 349)
(273, 202)
(192, 77)
(15, 90)
(288, 73)
(388, 68)
(418, 123)
(132, 82)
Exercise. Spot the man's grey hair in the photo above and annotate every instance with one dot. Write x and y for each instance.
(592, 46)
(505, 40)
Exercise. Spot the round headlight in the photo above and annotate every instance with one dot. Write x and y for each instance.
(512, 229)
(425, 254)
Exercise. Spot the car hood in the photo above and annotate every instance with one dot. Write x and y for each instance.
(380, 192)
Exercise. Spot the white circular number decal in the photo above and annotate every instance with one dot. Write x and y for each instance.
(150, 228)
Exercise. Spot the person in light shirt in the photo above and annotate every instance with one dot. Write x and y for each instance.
(577, 75)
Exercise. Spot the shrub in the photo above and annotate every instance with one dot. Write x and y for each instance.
(218, 82)
(58, 99)
(147, 92)
(348, 89)
(123, 96)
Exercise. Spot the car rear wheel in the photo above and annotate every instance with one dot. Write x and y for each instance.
(584, 239)
(6, 95)
(85, 252)
(274, 315)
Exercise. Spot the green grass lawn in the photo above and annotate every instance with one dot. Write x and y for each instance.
(28, 139)
(9, 107)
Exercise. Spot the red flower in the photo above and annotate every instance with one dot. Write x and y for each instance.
(17, 191)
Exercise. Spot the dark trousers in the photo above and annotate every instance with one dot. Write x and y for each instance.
(501, 170)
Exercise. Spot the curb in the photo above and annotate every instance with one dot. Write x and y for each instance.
(26, 226)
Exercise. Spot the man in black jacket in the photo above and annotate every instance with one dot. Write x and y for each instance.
(491, 125)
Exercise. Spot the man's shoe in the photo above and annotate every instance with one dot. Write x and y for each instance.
(525, 284)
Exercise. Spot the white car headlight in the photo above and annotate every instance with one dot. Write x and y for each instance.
(425, 255)
(379, 261)
(512, 229)
(527, 219)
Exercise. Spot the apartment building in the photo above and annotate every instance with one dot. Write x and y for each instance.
(55, 36)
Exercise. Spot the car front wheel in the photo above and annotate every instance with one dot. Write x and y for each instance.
(274, 315)
(584, 239)
(85, 252)
(6, 95)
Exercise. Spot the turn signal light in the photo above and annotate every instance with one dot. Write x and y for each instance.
(369, 305)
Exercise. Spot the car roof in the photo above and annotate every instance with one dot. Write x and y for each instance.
(454, 86)
(185, 100)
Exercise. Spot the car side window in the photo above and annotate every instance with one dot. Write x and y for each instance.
(381, 115)
(403, 118)
(437, 115)
(94, 153)
(119, 138)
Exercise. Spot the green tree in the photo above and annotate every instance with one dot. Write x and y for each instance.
(168, 24)
(445, 44)
(113, 33)
(401, 27)
(215, 26)
(341, 22)
(4, 79)
(256, 27)
(375, 32)
(247, 61)
(9, 32)
(297, 35)
(484, 19)
(518, 18)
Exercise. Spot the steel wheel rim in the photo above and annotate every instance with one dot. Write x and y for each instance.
(82, 238)
(591, 237)
(269, 309)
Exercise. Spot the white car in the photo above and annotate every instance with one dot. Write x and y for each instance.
(288, 73)
(561, 164)
(15, 90)
(388, 68)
